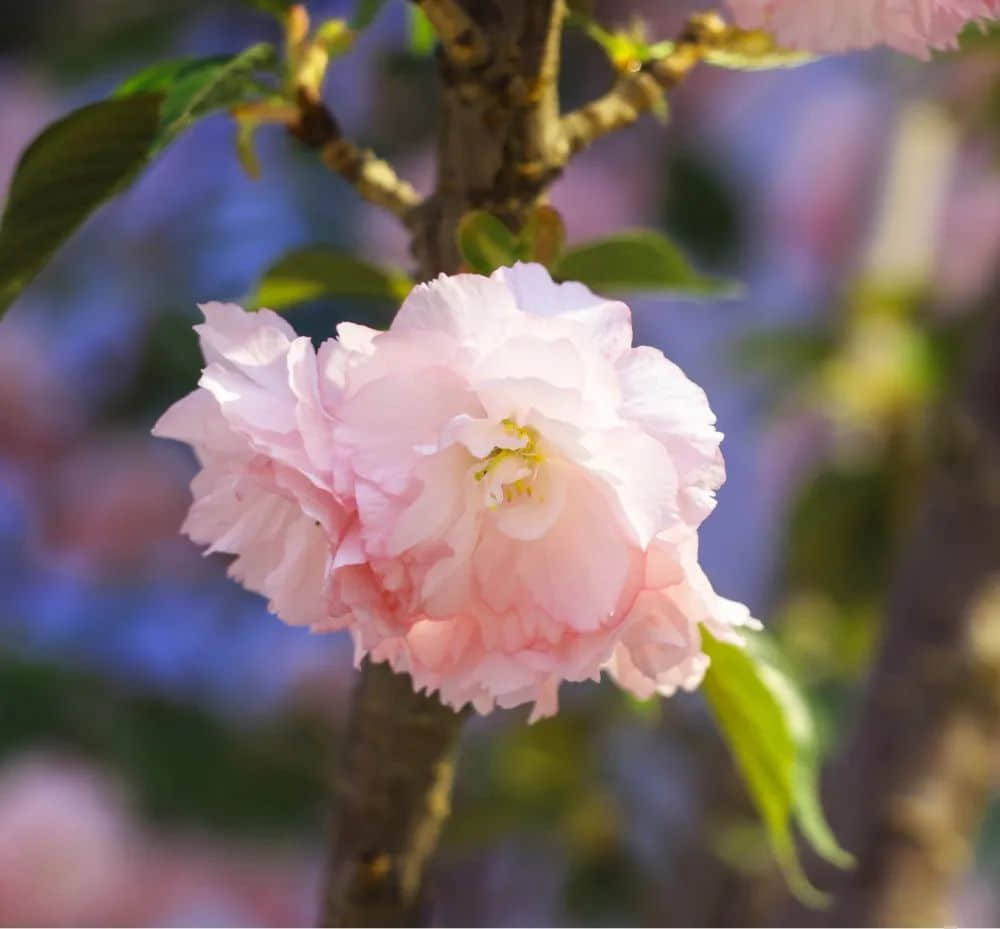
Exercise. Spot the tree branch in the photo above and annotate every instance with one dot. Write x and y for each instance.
(498, 120)
(640, 91)
(499, 123)
(913, 781)
(394, 795)
(461, 39)
(374, 179)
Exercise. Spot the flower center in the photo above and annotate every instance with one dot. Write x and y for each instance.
(509, 474)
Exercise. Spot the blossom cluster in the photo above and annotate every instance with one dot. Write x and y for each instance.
(497, 494)
(915, 27)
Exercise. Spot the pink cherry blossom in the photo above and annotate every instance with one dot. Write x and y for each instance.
(258, 424)
(496, 495)
(911, 26)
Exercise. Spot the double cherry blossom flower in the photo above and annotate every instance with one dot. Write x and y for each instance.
(912, 26)
(495, 495)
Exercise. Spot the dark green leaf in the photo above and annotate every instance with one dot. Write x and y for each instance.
(196, 87)
(275, 7)
(485, 243)
(64, 175)
(636, 261)
(790, 352)
(980, 35)
(365, 12)
(769, 729)
(322, 271)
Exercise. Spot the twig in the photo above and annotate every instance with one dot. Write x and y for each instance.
(461, 39)
(374, 179)
(640, 91)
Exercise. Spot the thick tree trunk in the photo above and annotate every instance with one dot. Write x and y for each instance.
(500, 117)
(909, 790)
(499, 127)
(394, 794)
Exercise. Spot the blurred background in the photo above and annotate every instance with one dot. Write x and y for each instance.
(167, 747)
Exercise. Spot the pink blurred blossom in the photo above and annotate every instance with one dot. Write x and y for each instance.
(72, 854)
(820, 204)
(912, 26)
(115, 503)
(39, 416)
(968, 241)
(65, 856)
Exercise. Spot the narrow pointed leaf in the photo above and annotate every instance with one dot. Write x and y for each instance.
(641, 260)
(66, 173)
(196, 87)
(769, 729)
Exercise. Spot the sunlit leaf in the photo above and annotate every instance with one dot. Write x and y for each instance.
(485, 243)
(421, 32)
(641, 260)
(543, 236)
(769, 729)
(753, 50)
(335, 36)
(196, 87)
(323, 271)
(64, 175)
(627, 49)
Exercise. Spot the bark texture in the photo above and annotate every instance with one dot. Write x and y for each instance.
(500, 123)
(911, 786)
(394, 795)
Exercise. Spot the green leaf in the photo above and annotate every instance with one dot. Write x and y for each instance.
(421, 32)
(791, 352)
(978, 35)
(637, 261)
(64, 175)
(769, 729)
(627, 49)
(246, 153)
(543, 236)
(753, 50)
(277, 8)
(322, 271)
(335, 36)
(365, 13)
(196, 87)
(485, 243)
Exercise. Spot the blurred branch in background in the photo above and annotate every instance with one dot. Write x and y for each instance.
(911, 786)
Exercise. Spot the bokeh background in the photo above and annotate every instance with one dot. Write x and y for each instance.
(167, 747)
